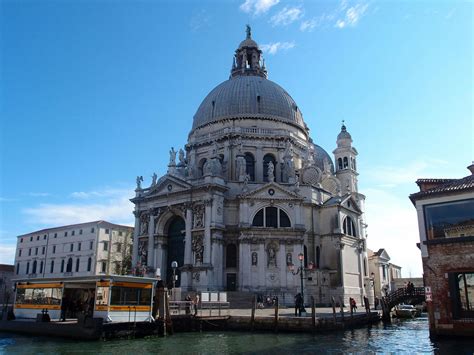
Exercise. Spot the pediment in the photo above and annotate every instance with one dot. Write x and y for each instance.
(350, 203)
(168, 184)
(272, 191)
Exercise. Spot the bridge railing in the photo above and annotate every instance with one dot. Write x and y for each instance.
(393, 298)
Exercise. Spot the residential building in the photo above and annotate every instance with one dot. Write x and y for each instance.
(85, 249)
(445, 209)
(382, 273)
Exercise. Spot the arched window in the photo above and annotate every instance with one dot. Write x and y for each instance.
(339, 163)
(77, 264)
(349, 227)
(41, 267)
(69, 265)
(201, 167)
(35, 264)
(266, 160)
(28, 267)
(51, 270)
(271, 217)
(250, 165)
(231, 255)
(346, 163)
(89, 264)
(62, 265)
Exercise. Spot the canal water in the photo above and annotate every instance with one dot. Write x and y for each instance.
(404, 336)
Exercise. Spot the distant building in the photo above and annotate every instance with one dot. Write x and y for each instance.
(85, 249)
(382, 272)
(445, 209)
(6, 275)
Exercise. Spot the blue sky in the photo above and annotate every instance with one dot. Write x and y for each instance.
(94, 93)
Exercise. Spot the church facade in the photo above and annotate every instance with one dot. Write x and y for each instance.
(251, 197)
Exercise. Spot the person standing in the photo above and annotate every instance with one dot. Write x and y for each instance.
(64, 307)
(298, 302)
(196, 304)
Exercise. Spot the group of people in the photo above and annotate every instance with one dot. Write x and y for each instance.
(194, 303)
(410, 288)
(299, 304)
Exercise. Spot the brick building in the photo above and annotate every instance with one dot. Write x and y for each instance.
(445, 209)
(6, 275)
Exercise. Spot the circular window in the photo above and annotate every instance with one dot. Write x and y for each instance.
(271, 192)
(170, 187)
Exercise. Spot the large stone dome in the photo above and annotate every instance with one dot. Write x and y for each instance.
(248, 97)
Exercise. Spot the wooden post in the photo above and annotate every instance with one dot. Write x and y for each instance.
(168, 321)
(252, 318)
(276, 314)
(341, 303)
(333, 301)
(313, 313)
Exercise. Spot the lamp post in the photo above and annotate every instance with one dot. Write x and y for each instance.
(300, 271)
(174, 266)
(372, 281)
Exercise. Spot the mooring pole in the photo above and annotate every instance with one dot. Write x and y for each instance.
(276, 314)
(333, 301)
(313, 313)
(252, 318)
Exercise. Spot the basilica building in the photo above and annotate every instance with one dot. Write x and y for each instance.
(251, 198)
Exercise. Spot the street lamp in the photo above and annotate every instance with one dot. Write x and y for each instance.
(300, 271)
(174, 266)
(372, 281)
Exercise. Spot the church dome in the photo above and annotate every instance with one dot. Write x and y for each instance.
(248, 93)
(248, 97)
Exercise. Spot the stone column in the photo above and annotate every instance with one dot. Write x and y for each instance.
(261, 264)
(281, 263)
(136, 231)
(259, 165)
(207, 232)
(187, 240)
(151, 241)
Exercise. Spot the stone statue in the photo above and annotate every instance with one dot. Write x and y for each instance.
(139, 182)
(215, 149)
(198, 248)
(327, 166)
(271, 256)
(248, 30)
(154, 177)
(289, 259)
(254, 258)
(182, 160)
(241, 168)
(271, 169)
(288, 164)
(172, 157)
(144, 219)
(245, 188)
(143, 252)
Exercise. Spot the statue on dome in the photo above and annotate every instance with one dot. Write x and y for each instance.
(139, 182)
(154, 177)
(172, 157)
(182, 160)
(248, 30)
(271, 169)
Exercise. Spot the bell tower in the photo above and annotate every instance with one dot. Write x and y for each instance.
(346, 164)
(248, 58)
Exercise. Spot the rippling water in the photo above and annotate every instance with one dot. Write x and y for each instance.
(407, 336)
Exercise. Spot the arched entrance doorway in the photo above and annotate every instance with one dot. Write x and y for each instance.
(175, 250)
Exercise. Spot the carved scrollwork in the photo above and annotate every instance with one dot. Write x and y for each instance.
(198, 248)
(198, 216)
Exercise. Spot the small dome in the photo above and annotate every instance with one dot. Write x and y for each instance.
(248, 42)
(319, 156)
(344, 134)
(248, 97)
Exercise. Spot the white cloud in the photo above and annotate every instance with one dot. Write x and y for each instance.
(389, 176)
(351, 15)
(273, 48)
(39, 194)
(309, 25)
(392, 225)
(286, 16)
(112, 205)
(199, 20)
(258, 7)
(7, 254)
